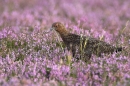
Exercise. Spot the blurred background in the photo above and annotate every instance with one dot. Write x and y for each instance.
(106, 14)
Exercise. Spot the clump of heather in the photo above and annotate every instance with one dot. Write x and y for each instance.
(28, 56)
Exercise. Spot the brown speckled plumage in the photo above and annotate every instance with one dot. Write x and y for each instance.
(86, 45)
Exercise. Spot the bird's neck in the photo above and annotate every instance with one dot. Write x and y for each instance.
(63, 32)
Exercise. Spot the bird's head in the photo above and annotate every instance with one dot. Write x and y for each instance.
(57, 26)
(60, 28)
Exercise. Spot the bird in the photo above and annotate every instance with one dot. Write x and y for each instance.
(86, 45)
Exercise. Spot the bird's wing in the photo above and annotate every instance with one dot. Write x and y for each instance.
(72, 38)
(101, 46)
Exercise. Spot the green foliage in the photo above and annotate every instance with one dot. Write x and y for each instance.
(14, 44)
(11, 44)
(20, 57)
(74, 75)
(59, 44)
(37, 48)
(48, 70)
(31, 29)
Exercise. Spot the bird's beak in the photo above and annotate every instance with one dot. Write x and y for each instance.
(51, 28)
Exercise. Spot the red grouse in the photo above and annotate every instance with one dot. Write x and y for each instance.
(86, 45)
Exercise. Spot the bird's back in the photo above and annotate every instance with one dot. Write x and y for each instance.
(93, 45)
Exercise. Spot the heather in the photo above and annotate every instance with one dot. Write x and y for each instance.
(31, 57)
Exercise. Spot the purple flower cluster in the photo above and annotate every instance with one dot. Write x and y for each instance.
(29, 57)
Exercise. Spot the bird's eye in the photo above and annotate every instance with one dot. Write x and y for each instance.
(56, 25)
